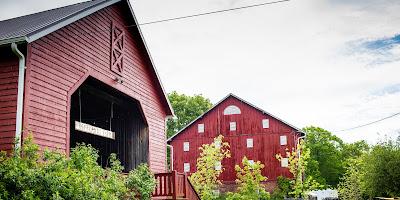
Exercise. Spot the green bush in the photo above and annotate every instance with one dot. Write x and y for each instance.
(28, 173)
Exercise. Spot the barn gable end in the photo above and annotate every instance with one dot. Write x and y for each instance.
(248, 137)
(79, 53)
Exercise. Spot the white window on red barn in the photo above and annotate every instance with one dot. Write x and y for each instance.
(265, 123)
(186, 167)
(283, 140)
(218, 166)
(232, 126)
(217, 143)
(284, 162)
(186, 146)
(216, 192)
(249, 142)
(251, 164)
(232, 110)
(200, 128)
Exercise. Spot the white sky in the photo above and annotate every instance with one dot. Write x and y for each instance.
(326, 63)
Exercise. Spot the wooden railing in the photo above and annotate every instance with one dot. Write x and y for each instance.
(175, 185)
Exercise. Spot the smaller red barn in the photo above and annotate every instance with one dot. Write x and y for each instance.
(250, 131)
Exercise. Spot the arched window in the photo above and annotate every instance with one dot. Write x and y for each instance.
(232, 110)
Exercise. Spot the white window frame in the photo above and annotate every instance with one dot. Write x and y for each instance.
(200, 128)
(186, 146)
(251, 164)
(186, 167)
(283, 139)
(218, 166)
(249, 142)
(217, 143)
(284, 162)
(265, 123)
(232, 126)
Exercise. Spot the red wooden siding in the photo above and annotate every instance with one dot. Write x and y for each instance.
(8, 97)
(59, 62)
(266, 142)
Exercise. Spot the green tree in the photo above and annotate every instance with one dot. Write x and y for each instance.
(350, 186)
(205, 179)
(325, 161)
(186, 109)
(249, 179)
(381, 169)
(297, 164)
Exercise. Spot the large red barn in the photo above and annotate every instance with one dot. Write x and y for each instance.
(82, 73)
(249, 130)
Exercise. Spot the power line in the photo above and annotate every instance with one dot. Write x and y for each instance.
(189, 16)
(214, 12)
(367, 123)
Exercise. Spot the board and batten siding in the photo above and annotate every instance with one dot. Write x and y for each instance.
(59, 62)
(266, 141)
(8, 97)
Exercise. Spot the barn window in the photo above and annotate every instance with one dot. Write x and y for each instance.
(232, 110)
(283, 140)
(249, 142)
(218, 166)
(217, 144)
(186, 146)
(216, 192)
(186, 167)
(200, 128)
(284, 162)
(251, 164)
(232, 126)
(265, 123)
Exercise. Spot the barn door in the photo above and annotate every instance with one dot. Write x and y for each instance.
(111, 122)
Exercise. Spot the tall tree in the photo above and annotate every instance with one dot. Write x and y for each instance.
(325, 162)
(186, 109)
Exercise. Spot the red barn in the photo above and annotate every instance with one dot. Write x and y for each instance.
(82, 73)
(249, 130)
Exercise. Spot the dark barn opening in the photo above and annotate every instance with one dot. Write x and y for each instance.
(101, 106)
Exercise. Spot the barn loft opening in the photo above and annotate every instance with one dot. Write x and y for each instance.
(111, 122)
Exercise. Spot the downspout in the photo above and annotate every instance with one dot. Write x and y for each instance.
(171, 160)
(20, 97)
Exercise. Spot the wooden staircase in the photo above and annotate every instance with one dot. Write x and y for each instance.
(175, 185)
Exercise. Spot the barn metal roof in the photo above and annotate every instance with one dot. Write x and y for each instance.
(234, 96)
(28, 28)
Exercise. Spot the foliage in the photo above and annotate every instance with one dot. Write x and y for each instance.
(381, 169)
(142, 180)
(28, 173)
(283, 189)
(205, 179)
(186, 109)
(297, 166)
(249, 179)
(350, 184)
(325, 162)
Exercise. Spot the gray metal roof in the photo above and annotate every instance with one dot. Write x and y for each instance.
(34, 26)
(234, 96)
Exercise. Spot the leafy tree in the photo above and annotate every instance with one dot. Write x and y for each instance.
(297, 166)
(284, 187)
(205, 179)
(249, 179)
(350, 186)
(381, 169)
(325, 161)
(186, 109)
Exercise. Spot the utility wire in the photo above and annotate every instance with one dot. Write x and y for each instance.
(189, 16)
(214, 12)
(368, 123)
